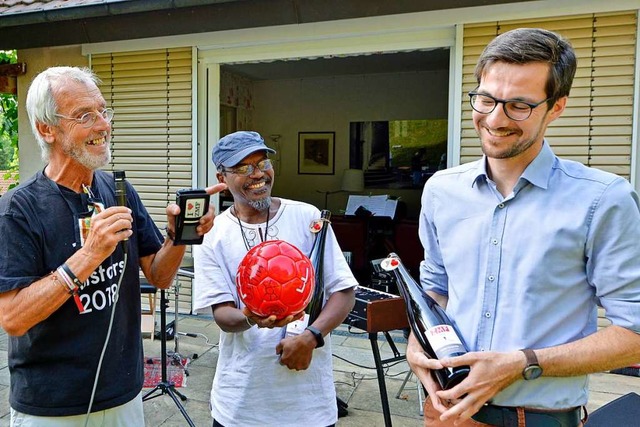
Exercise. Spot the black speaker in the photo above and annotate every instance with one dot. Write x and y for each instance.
(622, 412)
(169, 332)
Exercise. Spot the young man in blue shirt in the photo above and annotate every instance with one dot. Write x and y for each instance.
(521, 246)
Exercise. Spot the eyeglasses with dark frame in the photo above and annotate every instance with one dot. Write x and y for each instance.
(514, 109)
(249, 169)
(88, 119)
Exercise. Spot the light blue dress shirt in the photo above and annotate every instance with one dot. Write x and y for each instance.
(527, 270)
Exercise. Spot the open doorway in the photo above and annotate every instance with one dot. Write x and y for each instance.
(386, 92)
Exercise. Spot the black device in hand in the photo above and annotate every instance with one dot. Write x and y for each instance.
(120, 184)
(194, 204)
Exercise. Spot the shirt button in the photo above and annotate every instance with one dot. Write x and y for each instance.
(501, 205)
(494, 241)
(487, 315)
(491, 278)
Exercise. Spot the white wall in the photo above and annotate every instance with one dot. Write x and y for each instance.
(287, 107)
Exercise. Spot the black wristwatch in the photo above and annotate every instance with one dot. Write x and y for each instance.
(533, 370)
(317, 334)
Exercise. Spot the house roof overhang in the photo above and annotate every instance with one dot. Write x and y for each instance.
(56, 23)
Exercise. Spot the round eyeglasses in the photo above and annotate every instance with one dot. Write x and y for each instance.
(514, 109)
(88, 119)
(249, 169)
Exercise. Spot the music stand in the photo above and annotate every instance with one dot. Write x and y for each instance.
(165, 386)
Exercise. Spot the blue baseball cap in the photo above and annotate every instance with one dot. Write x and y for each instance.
(232, 148)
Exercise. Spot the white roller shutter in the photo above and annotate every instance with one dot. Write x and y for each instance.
(596, 127)
(150, 92)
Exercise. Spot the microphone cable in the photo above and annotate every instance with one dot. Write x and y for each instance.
(106, 341)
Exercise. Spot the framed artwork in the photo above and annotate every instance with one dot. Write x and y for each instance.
(316, 153)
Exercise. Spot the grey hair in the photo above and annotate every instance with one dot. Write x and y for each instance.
(41, 103)
(261, 204)
(527, 45)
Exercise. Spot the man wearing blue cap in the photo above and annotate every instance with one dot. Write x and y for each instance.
(250, 387)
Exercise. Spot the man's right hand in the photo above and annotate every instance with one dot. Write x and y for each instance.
(26, 307)
(271, 321)
(421, 365)
(108, 228)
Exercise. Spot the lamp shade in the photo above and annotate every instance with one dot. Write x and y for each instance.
(353, 180)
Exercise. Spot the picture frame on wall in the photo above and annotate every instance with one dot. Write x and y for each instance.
(316, 153)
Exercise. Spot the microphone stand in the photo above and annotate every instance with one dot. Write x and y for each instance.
(165, 386)
(175, 355)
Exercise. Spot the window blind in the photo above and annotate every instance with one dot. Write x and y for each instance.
(596, 126)
(150, 92)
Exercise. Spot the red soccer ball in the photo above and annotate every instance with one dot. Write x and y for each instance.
(275, 278)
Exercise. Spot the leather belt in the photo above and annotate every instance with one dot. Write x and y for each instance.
(505, 416)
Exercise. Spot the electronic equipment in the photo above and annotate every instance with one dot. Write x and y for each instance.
(374, 312)
(120, 184)
(194, 204)
(377, 311)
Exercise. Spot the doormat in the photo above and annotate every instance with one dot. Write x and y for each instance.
(175, 371)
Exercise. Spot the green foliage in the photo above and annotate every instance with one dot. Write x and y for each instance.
(9, 125)
(429, 137)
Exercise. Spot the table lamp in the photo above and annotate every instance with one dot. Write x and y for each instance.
(352, 182)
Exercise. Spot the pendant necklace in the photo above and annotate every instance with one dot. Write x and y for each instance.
(247, 243)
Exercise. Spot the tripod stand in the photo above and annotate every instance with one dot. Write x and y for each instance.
(186, 271)
(165, 386)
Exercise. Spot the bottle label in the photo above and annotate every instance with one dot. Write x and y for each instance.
(444, 340)
(297, 327)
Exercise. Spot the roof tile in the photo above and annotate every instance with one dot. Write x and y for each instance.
(10, 7)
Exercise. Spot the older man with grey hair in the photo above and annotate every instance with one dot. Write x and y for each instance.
(66, 278)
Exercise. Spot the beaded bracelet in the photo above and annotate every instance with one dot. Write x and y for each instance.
(56, 279)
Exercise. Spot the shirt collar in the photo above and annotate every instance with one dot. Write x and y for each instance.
(539, 170)
(537, 173)
(480, 171)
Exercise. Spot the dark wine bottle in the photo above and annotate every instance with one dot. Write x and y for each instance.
(317, 259)
(430, 324)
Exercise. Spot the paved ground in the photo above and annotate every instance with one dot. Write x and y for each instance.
(356, 381)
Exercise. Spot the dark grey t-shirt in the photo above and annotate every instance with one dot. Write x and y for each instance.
(53, 365)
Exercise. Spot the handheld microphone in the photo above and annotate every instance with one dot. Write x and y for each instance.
(121, 197)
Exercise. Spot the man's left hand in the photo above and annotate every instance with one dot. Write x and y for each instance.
(491, 372)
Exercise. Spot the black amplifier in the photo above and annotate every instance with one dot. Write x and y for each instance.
(377, 311)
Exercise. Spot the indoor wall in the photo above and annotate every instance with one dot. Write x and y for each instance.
(329, 104)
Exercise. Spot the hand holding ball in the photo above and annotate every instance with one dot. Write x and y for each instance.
(275, 278)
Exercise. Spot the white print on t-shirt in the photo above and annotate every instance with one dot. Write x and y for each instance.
(101, 274)
(100, 298)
